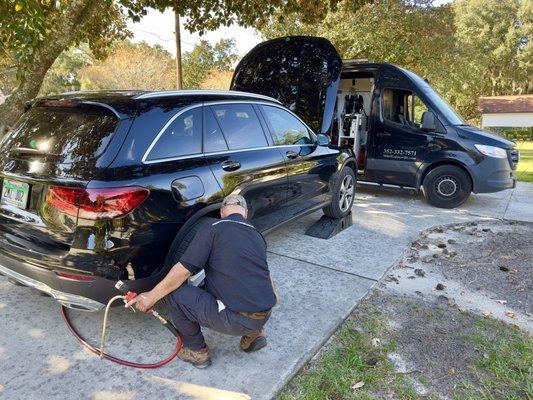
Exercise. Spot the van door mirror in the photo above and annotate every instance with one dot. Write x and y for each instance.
(323, 140)
(429, 124)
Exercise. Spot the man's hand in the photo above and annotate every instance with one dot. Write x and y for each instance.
(143, 302)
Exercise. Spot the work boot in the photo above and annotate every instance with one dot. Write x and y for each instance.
(198, 358)
(253, 342)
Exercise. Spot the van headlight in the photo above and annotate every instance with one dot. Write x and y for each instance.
(491, 151)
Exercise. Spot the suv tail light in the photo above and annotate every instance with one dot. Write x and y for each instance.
(96, 204)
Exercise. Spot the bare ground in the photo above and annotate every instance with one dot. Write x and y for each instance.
(453, 320)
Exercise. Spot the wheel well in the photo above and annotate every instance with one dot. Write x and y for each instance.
(212, 210)
(441, 163)
(351, 163)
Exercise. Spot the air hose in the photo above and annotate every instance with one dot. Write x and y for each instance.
(100, 351)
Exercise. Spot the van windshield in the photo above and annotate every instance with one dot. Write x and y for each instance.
(68, 134)
(442, 105)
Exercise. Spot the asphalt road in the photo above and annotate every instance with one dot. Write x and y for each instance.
(320, 282)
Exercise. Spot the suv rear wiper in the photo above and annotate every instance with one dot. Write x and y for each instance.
(27, 150)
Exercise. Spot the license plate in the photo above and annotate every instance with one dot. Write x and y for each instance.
(15, 193)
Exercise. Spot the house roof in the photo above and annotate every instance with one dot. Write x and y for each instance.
(506, 104)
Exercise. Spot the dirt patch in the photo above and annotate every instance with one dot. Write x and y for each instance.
(451, 320)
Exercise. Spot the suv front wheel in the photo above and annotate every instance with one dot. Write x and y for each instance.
(343, 195)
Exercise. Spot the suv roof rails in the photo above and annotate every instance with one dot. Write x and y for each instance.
(165, 93)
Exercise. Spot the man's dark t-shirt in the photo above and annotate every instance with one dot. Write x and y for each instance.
(233, 255)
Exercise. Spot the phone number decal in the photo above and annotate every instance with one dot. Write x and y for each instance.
(400, 154)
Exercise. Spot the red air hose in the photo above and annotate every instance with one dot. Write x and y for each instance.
(117, 360)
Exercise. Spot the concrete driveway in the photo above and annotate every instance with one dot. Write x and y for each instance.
(320, 283)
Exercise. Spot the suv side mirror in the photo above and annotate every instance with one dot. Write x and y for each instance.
(428, 122)
(323, 140)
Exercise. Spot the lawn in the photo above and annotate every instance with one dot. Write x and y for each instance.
(525, 166)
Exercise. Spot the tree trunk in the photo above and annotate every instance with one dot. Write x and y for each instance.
(77, 13)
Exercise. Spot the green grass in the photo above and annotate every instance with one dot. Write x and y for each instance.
(505, 367)
(502, 367)
(350, 359)
(524, 171)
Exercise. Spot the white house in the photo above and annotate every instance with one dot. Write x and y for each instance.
(506, 111)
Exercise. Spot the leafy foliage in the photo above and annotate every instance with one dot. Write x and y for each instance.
(26, 24)
(217, 80)
(205, 58)
(64, 75)
(131, 66)
(467, 49)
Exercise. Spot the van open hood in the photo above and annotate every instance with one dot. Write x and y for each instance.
(302, 72)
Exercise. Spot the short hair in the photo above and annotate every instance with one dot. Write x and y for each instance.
(235, 200)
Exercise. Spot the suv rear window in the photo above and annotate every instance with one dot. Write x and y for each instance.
(70, 134)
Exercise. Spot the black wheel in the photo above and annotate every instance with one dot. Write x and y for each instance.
(179, 245)
(343, 195)
(447, 186)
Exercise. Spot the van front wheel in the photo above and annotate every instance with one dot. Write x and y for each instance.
(447, 186)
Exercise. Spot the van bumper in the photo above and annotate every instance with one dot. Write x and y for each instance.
(493, 175)
(81, 295)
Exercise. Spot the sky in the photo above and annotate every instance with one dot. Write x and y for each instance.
(158, 28)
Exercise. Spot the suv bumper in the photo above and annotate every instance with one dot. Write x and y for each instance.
(67, 299)
(81, 295)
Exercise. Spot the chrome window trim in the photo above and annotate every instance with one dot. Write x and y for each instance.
(170, 93)
(145, 160)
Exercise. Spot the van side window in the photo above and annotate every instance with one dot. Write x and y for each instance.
(183, 137)
(240, 126)
(402, 107)
(213, 138)
(286, 129)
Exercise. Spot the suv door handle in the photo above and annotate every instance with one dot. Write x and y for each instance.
(231, 165)
(291, 154)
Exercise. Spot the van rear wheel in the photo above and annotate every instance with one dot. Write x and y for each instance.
(447, 186)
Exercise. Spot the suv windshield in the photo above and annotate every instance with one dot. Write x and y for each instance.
(67, 134)
(446, 110)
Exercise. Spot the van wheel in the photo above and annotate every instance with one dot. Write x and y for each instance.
(179, 246)
(343, 195)
(447, 186)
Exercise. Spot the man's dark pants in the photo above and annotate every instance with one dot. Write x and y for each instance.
(192, 307)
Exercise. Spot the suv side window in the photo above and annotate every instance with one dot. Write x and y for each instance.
(286, 129)
(240, 126)
(213, 139)
(183, 137)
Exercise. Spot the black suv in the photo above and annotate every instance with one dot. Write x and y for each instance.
(101, 186)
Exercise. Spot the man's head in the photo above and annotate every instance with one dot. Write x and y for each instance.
(234, 204)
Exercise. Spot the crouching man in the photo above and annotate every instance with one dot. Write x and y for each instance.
(238, 295)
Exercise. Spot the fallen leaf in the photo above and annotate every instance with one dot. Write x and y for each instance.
(502, 301)
(358, 385)
(510, 314)
(376, 342)
(487, 313)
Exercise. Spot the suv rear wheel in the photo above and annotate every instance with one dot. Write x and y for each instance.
(343, 195)
(179, 246)
(447, 186)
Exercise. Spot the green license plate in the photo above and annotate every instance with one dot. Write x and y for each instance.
(15, 193)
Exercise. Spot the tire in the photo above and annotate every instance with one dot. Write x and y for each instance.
(447, 186)
(179, 245)
(343, 195)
